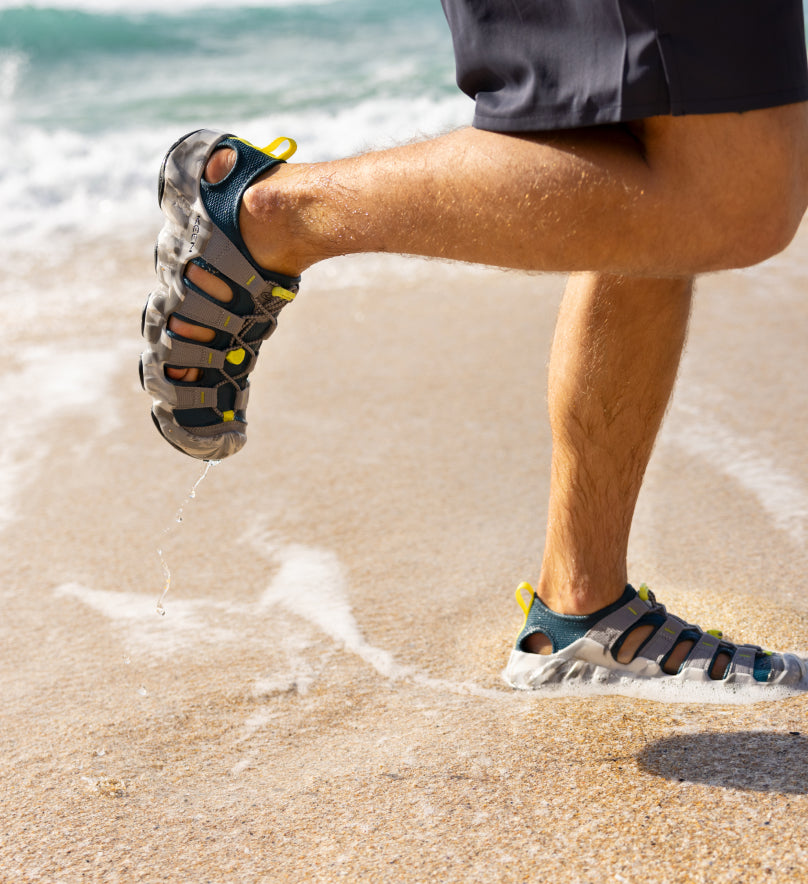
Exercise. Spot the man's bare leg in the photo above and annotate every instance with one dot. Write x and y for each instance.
(671, 196)
(667, 196)
(615, 354)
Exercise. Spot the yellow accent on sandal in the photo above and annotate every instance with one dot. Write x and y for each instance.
(716, 632)
(643, 591)
(280, 292)
(520, 599)
(236, 357)
(228, 416)
(270, 149)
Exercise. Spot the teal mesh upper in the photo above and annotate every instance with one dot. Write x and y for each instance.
(564, 629)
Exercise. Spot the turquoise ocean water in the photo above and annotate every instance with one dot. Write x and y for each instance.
(92, 93)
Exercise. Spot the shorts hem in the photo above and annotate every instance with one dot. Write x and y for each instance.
(685, 107)
(618, 114)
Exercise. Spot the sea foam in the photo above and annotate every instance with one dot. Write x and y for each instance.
(92, 94)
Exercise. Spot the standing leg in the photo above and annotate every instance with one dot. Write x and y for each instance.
(614, 361)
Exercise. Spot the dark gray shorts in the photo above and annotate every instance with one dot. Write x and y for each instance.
(552, 64)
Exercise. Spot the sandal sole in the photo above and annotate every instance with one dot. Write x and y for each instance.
(574, 672)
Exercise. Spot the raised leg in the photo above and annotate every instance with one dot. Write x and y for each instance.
(665, 196)
(669, 196)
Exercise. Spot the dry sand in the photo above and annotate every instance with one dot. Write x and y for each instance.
(322, 700)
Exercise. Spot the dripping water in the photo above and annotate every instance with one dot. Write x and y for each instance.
(172, 527)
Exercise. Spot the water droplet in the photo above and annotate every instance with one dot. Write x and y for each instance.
(178, 521)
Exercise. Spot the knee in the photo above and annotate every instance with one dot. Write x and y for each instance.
(752, 221)
(763, 222)
(739, 183)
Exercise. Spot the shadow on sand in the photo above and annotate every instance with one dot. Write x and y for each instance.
(757, 761)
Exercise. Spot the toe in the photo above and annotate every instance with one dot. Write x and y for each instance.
(219, 164)
(188, 375)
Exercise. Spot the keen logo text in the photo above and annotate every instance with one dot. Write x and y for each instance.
(194, 234)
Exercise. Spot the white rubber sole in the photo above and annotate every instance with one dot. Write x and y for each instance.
(585, 669)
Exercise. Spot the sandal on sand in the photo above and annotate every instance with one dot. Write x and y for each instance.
(206, 418)
(584, 661)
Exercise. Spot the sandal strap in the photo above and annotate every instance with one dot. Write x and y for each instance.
(611, 627)
(187, 355)
(743, 660)
(206, 397)
(197, 308)
(225, 249)
(703, 653)
(664, 639)
(222, 254)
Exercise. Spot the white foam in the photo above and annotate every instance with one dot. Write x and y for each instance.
(134, 614)
(106, 183)
(311, 584)
(47, 384)
(781, 494)
(99, 185)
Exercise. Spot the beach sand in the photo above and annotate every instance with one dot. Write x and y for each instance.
(322, 700)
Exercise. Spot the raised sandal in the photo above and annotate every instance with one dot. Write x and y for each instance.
(584, 656)
(206, 418)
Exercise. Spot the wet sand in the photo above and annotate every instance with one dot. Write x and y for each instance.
(322, 700)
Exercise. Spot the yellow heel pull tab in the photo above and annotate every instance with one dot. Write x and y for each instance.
(716, 632)
(643, 591)
(271, 150)
(525, 604)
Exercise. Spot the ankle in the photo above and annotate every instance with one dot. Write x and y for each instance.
(581, 594)
(280, 222)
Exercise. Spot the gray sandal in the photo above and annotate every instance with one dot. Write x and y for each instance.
(584, 656)
(207, 418)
